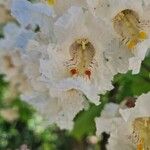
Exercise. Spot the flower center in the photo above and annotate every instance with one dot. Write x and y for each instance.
(82, 53)
(141, 133)
(127, 25)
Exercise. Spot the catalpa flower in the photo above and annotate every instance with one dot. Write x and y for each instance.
(10, 58)
(60, 109)
(113, 124)
(34, 15)
(85, 35)
(130, 128)
(76, 61)
(40, 14)
(129, 23)
(138, 120)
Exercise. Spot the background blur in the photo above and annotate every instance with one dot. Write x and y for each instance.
(21, 127)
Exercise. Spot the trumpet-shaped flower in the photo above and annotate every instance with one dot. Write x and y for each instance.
(129, 23)
(11, 62)
(76, 61)
(61, 109)
(129, 129)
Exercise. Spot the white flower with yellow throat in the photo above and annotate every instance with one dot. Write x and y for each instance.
(129, 24)
(128, 127)
(62, 108)
(76, 61)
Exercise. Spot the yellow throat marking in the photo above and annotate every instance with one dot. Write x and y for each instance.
(82, 53)
(141, 127)
(127, 25)
(51, 2)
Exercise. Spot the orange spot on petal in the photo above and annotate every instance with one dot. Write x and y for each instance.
(132, 43)
(140, 146)
(73, 71)
(143, 35)
(88, 73)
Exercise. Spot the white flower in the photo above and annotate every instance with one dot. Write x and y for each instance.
(57, 110)
(10, 59)
(138, 120)
(70, 22)
(141, 109)
(76, 61)
(62, 109)
(131, 131)
(77, 37)
(17, 38)
(30, 58)
(22, 70)
(129, 24)
(108, 118)
(112, 123)
(33, 15)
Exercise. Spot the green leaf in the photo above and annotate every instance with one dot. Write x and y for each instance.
(84, 122)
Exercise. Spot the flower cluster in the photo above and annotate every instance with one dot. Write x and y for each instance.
(64, 52)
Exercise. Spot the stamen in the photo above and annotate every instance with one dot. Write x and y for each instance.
(127, 25)
(143, 35)
(132, 43)
(140, 146)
